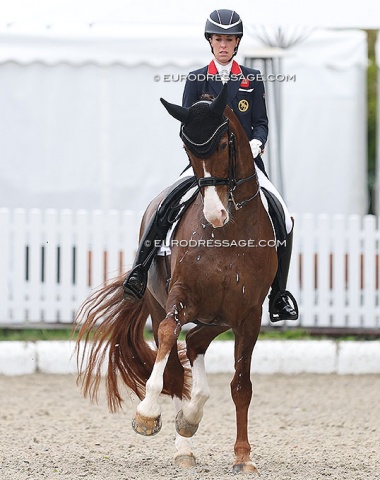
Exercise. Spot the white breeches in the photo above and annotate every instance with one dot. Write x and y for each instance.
(268, 185)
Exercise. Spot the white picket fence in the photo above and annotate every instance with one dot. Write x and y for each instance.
(335, 271)
(51, 260)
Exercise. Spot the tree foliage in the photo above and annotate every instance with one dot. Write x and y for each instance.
(372, 115)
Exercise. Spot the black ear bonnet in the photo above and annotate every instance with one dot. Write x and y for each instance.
(203, 129)
(203, 123)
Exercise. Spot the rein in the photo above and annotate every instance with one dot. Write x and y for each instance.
(231, 181)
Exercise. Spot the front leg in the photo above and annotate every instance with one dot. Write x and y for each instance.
(241, 391)
(147, 420)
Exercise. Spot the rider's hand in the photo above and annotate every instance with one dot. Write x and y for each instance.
(255, 147)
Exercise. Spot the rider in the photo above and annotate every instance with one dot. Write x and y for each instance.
(224, 30)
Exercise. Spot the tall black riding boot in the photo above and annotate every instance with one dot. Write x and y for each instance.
(166, 214)
(282, 304)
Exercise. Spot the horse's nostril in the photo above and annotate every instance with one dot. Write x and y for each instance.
(224, 216)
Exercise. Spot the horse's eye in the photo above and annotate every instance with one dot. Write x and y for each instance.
(223, 146)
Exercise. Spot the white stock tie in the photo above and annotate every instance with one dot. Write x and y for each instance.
(224, 75)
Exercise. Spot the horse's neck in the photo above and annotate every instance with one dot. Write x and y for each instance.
(245, 168)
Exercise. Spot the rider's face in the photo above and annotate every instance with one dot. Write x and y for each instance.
(223, 47)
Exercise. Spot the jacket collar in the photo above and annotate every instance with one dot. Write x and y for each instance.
(235, 68)
(216, 85)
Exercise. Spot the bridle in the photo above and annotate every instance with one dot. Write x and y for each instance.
(231, 180)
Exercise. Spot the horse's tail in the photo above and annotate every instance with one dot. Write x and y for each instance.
(115, 327)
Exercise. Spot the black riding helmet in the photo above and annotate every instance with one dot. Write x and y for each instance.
(224, 22)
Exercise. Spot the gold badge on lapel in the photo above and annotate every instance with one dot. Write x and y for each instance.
(243, 105)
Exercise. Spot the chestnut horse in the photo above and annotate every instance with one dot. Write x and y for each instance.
(218, 281)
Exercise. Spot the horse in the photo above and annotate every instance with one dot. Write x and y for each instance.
(222, 263)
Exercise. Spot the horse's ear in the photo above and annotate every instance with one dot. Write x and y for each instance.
(219, 104)
(179, 113)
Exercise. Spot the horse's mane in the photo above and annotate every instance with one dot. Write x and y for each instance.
(207, 96)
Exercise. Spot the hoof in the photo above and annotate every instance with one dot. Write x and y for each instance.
(146, 426)
(185, 461)
(246, 467)
(184, 428)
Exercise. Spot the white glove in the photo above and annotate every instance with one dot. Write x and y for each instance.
(255, 147)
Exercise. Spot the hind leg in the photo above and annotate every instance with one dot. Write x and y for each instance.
(184, 456)
(241, 391)
(197, 340)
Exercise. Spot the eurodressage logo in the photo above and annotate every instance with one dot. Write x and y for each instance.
(216, 243)
(192, 77)
(243, 105)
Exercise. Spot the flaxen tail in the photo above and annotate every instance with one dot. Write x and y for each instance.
(111, 328)
(114, 328)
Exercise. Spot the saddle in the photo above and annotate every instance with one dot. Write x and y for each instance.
(277, 215)
(171, 208)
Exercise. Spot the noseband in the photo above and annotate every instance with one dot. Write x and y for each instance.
(231, 180)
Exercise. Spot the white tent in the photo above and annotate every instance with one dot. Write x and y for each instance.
(82, 125)
(325, 124)
(321, 14)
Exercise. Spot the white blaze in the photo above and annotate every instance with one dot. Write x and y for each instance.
(213, 208)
